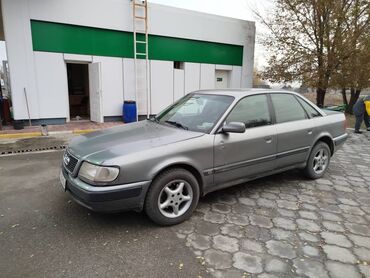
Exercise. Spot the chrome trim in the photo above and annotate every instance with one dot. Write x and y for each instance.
(292, 152)
(250, 162)
(86, 187)
(340, 139)
(77, 163)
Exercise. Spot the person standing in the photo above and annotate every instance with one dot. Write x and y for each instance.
(361, 110)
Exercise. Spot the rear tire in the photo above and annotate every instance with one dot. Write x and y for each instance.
(318, 161)
(172, 197)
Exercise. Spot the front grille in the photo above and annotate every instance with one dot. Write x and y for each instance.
(69, 162)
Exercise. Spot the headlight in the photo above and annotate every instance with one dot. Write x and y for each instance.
(96, 173)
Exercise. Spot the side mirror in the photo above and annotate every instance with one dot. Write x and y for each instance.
(233, 127)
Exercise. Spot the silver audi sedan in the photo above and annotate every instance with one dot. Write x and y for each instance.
(206, 141)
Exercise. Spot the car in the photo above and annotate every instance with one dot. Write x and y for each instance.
(206, 141)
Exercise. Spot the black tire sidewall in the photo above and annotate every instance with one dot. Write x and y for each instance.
(151, 202)
(310, 173)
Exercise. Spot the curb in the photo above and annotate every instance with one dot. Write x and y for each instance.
(38, 134)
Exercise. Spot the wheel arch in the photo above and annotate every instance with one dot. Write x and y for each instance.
(186, 166)
(327, 139)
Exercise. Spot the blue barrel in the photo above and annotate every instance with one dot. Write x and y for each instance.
(129, 111)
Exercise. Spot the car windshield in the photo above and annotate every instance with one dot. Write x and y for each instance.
(195, 112)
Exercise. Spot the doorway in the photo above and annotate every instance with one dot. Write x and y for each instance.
(222, 79)
(78, 91)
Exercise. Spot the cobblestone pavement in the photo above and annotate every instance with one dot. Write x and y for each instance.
(288, 226)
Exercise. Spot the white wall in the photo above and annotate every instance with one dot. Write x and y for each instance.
(117, 15)
(52, 85)
(192, 77)
(112, 84)
(235, 77)
(17, 31)
(248, 57)
(207, 76)
(128, 79)
(161, 85)
(163, 20)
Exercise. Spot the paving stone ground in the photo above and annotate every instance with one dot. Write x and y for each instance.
(288, 226)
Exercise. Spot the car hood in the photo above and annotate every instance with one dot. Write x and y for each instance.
(109, 143)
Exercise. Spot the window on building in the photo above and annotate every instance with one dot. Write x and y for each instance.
(287, 108)
(178, 65)
(312, 112)
(253, 111)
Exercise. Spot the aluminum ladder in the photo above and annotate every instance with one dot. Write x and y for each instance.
(141, 63)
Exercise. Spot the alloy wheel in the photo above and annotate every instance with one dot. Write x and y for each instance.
(320, 161)
(175, 198)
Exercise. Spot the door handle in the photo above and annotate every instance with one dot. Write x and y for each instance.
(268, 140)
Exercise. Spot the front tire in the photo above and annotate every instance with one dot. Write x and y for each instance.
(172, 197)
(318, 161)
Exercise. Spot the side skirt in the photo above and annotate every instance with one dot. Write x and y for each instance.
(212, 188)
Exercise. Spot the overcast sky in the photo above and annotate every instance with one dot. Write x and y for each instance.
(242, 9)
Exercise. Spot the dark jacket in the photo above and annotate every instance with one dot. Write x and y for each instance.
(359, 107)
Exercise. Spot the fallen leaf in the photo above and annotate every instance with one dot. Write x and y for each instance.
(15, 225)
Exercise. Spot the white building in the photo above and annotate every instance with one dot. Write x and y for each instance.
(76, 57)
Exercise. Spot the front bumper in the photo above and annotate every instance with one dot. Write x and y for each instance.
(107, 198)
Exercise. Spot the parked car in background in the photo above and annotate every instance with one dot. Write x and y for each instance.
(206, 141)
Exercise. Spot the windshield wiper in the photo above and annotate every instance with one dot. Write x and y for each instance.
(177, 124)
(153, 119)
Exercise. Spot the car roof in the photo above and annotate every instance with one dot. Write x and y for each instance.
(238, 93)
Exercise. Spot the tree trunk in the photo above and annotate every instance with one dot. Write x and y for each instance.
(345, 101)
(355, 93)
(320, 96)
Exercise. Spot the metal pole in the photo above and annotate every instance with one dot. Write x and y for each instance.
(135, 62)
(28, 109)
(147, 62)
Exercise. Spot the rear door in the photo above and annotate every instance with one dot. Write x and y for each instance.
(295, 130)
(241, 155)
(96, 99)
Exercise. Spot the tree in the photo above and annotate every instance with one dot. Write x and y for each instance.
(354, 73)
(307, 40)
(257, 81)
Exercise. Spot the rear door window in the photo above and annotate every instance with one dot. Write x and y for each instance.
(287, 108)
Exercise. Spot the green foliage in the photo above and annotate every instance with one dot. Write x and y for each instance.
(321, 43)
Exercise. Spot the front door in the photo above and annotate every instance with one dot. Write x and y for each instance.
(96, 99)
(244, 155)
